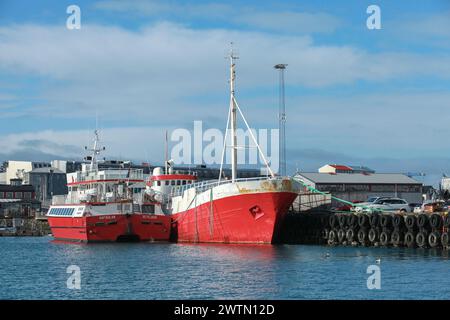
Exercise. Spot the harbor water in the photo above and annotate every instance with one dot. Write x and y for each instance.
(36, 268)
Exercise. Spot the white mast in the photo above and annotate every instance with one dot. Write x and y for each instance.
(166, 154)
(95, 151)
(232, 117)
(233, 112)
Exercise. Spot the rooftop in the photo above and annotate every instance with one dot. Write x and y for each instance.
(46, 170)
(341, 167)
(360, 178)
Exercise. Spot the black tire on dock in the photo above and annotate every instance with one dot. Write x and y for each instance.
(332, 236)
(385, 238)
(398, 220)
(362, 236)
(445, 239)
(436, 221)
(325, 233)
(434, 239)
(386, 220)
(410, 221)
(422, 220)
(373, 235)
(333, 220)
(374, 220)
(396, 237)
(352, 220)
(341, 235)
(410, 239)
(363, 220)
(350, 235)
(342, 219)
(421, 239)
(447, 220)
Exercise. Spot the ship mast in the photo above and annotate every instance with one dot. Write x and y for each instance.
(233, 112)
(232, 117)
(95, 151)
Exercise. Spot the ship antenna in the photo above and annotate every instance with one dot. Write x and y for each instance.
(95, 150)
(233, 111)
(166, 153)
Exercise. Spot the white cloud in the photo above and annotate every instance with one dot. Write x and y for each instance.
(128, 143)
(123, 73)
(170, 75)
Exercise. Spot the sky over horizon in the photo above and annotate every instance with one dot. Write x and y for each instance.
(379, 98)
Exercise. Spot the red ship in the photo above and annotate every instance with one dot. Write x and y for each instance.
(225, 211)
(106, 205)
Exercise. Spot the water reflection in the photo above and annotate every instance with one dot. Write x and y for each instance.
(36, 268)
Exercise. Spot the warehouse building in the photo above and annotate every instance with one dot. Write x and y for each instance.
(360, 186)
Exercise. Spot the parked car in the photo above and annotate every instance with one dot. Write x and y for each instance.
(433, 206)
(369, 201)
(388, 204)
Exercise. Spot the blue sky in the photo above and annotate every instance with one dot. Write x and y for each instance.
(376, 97)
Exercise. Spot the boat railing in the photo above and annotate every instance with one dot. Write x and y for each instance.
(111, 174)
(185, 172)
(208, 184)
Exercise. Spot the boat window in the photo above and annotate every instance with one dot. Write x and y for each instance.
(172, 182)
(183, 182)
(167, 182)
(148, 208)
(159, 183)
(178, 182)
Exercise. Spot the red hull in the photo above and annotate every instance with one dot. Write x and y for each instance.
(112, 227)
(244, 218)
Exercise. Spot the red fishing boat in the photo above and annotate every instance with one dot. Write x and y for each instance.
(106, 205)
(225, 211)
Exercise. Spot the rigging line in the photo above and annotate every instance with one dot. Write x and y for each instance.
(185, 211)
(224, 144)
(254, 139)
(196, 222)
(211, 213)
(332, 197)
